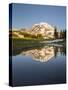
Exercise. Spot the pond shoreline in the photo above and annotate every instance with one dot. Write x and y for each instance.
(18, 45)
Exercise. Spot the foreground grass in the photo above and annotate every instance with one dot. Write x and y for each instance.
(18, 45)
(25, 43)
(32, 42)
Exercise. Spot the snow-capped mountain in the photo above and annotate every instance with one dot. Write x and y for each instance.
(42, 28)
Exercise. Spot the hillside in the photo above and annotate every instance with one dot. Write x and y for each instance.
(37, 31)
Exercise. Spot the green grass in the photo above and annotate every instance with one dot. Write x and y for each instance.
(31, 42)
(19, 44)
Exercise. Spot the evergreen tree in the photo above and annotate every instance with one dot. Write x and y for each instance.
(61, 34)
(65, 34)
(55, 33)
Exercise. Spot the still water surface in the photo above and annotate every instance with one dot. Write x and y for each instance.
(43, 65)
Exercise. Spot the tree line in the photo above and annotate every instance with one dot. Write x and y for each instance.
(59, 35)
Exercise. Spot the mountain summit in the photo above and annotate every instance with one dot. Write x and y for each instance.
(42, 28)
(44, 24)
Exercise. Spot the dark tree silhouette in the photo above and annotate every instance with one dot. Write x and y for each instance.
(55, 33)
(63, 34)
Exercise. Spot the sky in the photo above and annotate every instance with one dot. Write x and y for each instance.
(26, 15)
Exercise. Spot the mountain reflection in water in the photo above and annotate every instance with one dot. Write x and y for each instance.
(44, 54)
(39, 65)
